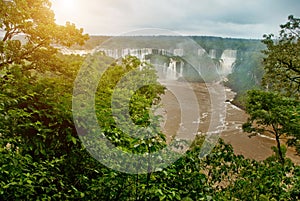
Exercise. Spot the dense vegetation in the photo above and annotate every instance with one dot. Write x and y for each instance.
(275, 108)
(42, 158)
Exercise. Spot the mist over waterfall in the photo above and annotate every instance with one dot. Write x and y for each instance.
(176, 58)
(227, 60)
(172, 71)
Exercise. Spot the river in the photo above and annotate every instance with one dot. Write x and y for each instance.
(256, 147)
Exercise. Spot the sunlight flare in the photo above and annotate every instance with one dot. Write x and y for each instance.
(68, 4)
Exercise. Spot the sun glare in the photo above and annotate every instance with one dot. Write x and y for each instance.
(68, 4)
(64, 10)
(64, 4)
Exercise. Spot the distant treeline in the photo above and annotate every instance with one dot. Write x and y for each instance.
(206, 42)
(221, 44)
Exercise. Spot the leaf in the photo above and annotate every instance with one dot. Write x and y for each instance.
(74, 140)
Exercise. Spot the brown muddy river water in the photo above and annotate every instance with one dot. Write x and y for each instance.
(257, 147)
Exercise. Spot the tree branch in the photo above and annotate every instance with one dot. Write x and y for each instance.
(289, 65)
(23, 56)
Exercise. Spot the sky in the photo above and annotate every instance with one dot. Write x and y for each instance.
(225, 18)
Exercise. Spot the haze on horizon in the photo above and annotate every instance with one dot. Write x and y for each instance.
(225, 18)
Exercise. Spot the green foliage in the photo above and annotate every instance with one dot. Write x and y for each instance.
(247, 72)
(277, 111)
(133, 92)
(36, 127)
(269, 108)
(272, 113)
(282, 59)
(263, 181)
(37, 133)
(29, 31)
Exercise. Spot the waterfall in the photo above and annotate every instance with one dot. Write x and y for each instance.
(181, 69)
(201, 52)
(213, 53)
(227, 60)
(171, 71)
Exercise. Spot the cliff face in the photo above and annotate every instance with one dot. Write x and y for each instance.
(196, 58)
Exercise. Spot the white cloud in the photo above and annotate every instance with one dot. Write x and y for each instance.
(231, 18)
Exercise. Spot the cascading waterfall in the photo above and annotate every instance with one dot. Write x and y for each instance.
(171, 71)
(227, 60)
(174, 69)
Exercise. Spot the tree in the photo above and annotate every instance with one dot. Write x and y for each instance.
(276, 110)
(32, 103)
(35, 101)
(30, 32)
(272, 113)
(282, 62)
